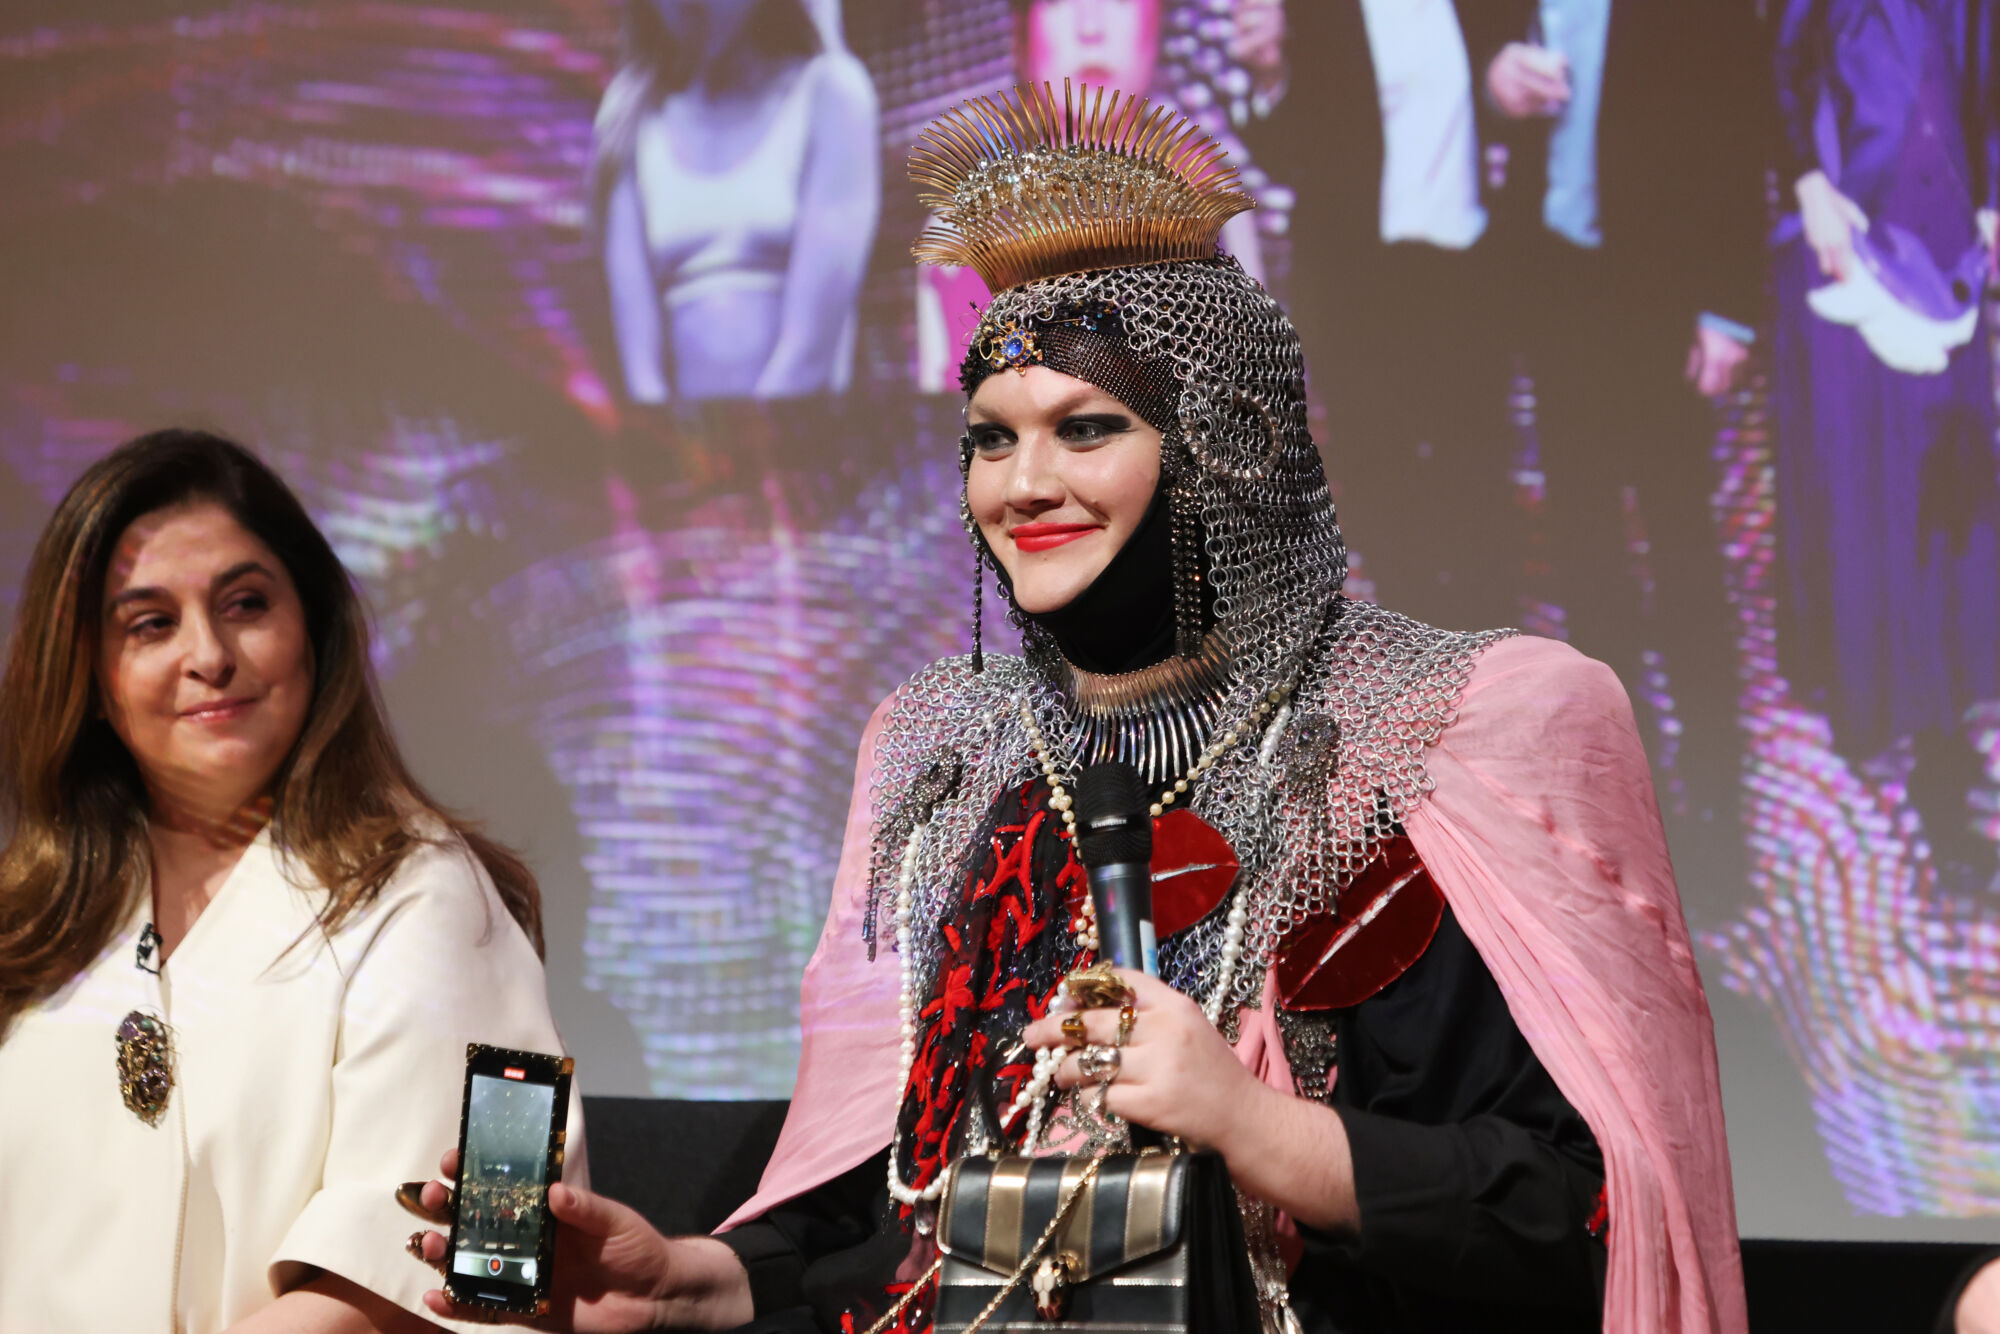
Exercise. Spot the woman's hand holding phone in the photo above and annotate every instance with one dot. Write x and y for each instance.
(614, 1273)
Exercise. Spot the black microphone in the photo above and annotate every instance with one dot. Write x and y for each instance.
(1114, 841)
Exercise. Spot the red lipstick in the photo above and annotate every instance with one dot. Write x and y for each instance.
(1048, 536)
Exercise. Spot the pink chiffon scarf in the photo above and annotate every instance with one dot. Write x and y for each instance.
(1543, 834)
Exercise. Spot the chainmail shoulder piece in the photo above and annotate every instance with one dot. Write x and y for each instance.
(1304, 814)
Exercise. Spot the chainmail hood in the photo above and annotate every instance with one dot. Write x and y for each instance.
(1241, 470)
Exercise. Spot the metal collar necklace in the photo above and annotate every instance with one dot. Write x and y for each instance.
(1157, 719)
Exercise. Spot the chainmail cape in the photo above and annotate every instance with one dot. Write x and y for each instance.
(1306, 803)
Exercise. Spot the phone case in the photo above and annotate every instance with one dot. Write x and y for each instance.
(551, 1070)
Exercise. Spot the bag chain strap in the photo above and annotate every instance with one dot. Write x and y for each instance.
(1027, 1261)
(908, 1297)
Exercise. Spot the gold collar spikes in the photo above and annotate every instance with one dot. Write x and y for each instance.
(1026, 186)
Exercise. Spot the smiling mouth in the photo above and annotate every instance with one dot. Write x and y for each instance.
(1047, 536)
(221, 711)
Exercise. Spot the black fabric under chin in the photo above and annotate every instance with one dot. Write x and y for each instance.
(1125, 619)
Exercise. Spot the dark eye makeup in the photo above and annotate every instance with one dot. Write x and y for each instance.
(1091, 427)
(1081, 428)
(987, 435)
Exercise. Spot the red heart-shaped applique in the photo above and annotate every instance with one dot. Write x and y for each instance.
(1382, 924)
(1193, 868)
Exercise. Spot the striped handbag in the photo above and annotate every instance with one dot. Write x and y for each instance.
(1148, 1240)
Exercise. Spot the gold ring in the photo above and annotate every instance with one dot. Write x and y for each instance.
(1097, 987)
(415, 1246)
(411, 1196)
(1128, 1015)
(1073, 1030)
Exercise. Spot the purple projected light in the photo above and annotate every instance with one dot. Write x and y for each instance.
(699, 691)
(1886, 988)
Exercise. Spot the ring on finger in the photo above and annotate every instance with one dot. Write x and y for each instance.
(1073, 1030)
(415, 1246)
(1098, 1063)
(411, 1196)
(1128, 1015)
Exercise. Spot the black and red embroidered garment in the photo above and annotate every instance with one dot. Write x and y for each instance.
(1005, 954)
(1478, 1182)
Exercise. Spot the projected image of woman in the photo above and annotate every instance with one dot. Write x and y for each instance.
(1887, 499)
(736, 183)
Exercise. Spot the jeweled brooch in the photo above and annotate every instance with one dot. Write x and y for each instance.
(145, 1065)
(1012, 346)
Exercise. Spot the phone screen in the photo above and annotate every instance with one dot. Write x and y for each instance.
(503, 1185)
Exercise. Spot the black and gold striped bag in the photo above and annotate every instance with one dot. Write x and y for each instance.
(1124, 1242)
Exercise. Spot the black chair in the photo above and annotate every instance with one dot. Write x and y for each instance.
(1818, 1287)
(687, 1165)
(684, 1165)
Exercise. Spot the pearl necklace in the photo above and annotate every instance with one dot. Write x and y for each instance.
(907, 1008)
(1033, 1094)
(1238, 922)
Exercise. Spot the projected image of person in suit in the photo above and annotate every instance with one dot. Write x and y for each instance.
(1888, 507)
(1629, 232)
(1376, 122)
(736, 187)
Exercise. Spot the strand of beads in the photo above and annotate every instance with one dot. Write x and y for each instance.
(1238, 924)
(1033, 1095)
(907, 1011)
(1232, 954)
(1218, 747)
(1064, 805)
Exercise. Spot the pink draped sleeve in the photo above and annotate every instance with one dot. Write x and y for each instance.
(1543, 834)
(844, 1103)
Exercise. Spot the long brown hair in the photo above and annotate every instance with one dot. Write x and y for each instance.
(71, 801)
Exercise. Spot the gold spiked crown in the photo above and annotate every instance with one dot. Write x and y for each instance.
(1027, 187)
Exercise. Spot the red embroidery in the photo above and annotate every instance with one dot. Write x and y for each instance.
(1001, 967)
(1599, 1221)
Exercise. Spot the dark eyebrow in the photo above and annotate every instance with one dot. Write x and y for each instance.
(228, 576)
(1064, 408)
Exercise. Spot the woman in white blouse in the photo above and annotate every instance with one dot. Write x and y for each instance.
(241, 951)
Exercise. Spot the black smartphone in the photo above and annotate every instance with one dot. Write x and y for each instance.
(510, 1147)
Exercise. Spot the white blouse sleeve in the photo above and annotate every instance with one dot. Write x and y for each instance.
(436, 963)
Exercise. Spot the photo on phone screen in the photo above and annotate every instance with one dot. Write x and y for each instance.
(510, 1150)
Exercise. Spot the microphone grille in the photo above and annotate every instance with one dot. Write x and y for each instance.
(1112, 820)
